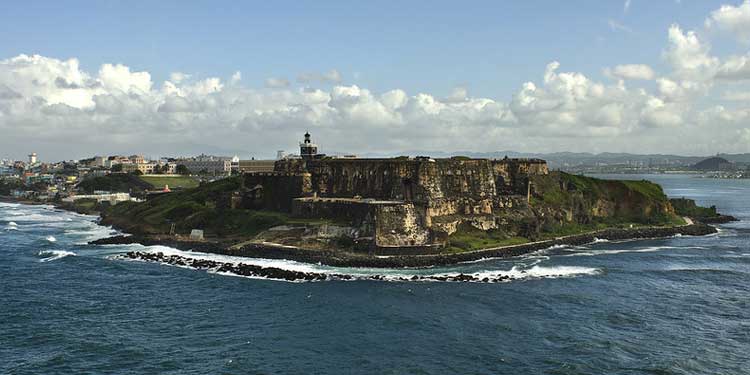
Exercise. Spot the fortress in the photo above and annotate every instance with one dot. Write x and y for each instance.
(394, 203)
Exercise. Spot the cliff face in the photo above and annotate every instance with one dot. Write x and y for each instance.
(560, 198)
(406, 202)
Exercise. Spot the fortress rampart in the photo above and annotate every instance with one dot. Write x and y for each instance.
(396, 200)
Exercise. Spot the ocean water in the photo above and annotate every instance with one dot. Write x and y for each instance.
(665, 306)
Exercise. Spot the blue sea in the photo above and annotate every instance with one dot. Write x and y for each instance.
(679, 305)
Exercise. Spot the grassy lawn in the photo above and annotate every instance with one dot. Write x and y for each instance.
(470, 239)
(174, 182)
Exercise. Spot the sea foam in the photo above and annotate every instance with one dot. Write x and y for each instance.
(50, 255)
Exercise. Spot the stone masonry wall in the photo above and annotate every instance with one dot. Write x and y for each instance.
(274, 190)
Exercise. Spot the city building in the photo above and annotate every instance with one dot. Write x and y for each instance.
(207, 164)
(137, 159)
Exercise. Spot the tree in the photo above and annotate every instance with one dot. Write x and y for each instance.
(117, 168)
(137, 172)
(181, 169)
(157, 169)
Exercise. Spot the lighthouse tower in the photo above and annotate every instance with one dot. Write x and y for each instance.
(307, 149)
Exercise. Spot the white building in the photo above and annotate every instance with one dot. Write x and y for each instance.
(207, 164)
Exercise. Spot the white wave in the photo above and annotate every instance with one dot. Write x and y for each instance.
(536, 271)
(600, 240)
(31, 217)
(289, 265)
(51, 239)
(522, 271)
(12, 224)
(51, 255)
(650, 249)
(91, 232)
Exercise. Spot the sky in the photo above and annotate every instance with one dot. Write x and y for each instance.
(175, 78)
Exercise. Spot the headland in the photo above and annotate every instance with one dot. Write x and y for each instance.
(403, 212)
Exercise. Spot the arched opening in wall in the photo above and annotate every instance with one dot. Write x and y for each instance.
(408, 188)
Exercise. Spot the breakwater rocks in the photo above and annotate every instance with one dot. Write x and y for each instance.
(250, 270)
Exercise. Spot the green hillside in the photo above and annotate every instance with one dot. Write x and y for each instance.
(204, 207)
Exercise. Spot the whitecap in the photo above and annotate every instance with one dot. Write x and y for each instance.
(535, 272)
(50, 255)
(522, 271)
(51, 239)
(650, 249)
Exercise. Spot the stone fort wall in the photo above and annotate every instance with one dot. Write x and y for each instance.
(394, 199)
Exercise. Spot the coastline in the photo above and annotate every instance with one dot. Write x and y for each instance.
(352, 259)
(345, 259)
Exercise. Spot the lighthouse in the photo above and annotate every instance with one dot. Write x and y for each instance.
(307, 149)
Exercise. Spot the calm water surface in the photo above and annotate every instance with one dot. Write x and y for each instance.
(671, 306)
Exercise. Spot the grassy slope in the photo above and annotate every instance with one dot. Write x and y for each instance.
(173, 181)
(115, 182)
(203, 207)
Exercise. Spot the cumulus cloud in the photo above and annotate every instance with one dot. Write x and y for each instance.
(631, 71)
(688, 55)
(733, 19)
(118, 109)
(178, 77)
(736, 96)
(331, 76)
(735, 68)
(277, 83)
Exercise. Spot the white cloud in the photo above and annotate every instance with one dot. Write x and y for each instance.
(119, 77)
(178, 77)
(626, 6)
(276, 83)
(735, 68)
(236, 78)
(331, 76)
(688, 55)
(631, 71)
(617, 26)
(733, 19)
(45, 100)
(736, 96)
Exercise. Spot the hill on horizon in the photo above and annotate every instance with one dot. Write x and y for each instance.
(713, 164)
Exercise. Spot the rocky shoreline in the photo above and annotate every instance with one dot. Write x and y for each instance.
(249, 270)
(346, 259)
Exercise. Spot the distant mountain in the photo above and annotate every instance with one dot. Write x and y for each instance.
(568, 159)
(578, 160)
(713, 164)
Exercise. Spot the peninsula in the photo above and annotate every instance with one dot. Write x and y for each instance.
(404, 211)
